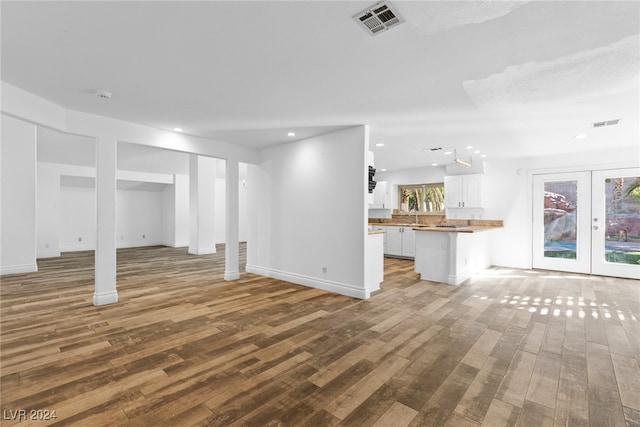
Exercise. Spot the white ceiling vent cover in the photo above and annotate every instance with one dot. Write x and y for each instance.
(378, 18)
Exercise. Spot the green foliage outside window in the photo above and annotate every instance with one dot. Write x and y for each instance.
(422, 197)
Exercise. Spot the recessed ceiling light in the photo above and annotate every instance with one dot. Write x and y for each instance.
(448, 152)
(469, 147)
(434, 164)
(477, 152)
(483, 155)
(383, 170)
(580, 136)
(178, 129)
(379, 144)
(291, 134)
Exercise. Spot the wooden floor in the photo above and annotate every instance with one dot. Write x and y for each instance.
(183, 347)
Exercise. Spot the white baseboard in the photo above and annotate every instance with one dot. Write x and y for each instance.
(48, 254)
(326, 285)
(231, 275)
(78, 248)
(203, 251)
(137, 244)
(103, 298)
(16, 269)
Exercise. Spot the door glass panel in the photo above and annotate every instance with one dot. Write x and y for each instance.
(560, 219)
(622, 219)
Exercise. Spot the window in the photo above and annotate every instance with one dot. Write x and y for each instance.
(421, 197)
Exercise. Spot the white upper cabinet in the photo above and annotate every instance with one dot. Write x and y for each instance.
(463, 191)
(381, 199)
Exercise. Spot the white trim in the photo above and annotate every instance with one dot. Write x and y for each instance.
(203, 251)
(48, 254)
(16, 269)
(137, 244)
(230, 276)
(326, 285)
(110, 297)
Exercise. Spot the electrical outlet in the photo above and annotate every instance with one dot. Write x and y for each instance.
(144, 237)
(324, 268)
(79, 239)
(46, 245)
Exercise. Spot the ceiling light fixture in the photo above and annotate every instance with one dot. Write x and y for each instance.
(379, 144)
(177, 129)
(460, 162)
(580, 136)
(291, 134)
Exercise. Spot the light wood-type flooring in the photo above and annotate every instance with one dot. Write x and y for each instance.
(183, 347)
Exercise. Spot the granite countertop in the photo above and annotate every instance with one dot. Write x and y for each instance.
(458, 229)
(454, 226)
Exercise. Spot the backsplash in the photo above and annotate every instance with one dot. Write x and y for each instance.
(434, 219)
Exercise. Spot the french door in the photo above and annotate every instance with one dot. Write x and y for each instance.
(588, 222)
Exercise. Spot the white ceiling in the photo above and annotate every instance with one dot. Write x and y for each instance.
(512, 79)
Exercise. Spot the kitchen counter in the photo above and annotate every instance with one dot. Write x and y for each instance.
(457, 229)
(376, 231)
(452, 255)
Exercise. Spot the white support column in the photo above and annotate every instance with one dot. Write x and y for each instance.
(202, 192)
(105, 258)
(232, 252)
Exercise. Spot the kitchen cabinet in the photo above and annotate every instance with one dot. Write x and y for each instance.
(451, 257)
(463, 191)
(384, 236)
(401, 241)
(381, 198)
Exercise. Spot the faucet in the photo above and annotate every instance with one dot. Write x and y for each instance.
(416, 211)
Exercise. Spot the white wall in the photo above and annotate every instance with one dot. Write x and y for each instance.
(77, 217)
(48, 211)
(139, 218)
(509, 196)
(310, 199)
(175, 212)
(18, 197)
(66, 209)
(58, 232)
(220, 210)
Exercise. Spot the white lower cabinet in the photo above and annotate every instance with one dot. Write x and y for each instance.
(401, 241)
(384, 236)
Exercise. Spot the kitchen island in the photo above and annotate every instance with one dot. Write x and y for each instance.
(453, 253)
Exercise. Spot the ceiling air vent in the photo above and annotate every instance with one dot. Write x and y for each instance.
(378, 18)
(606, 123)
